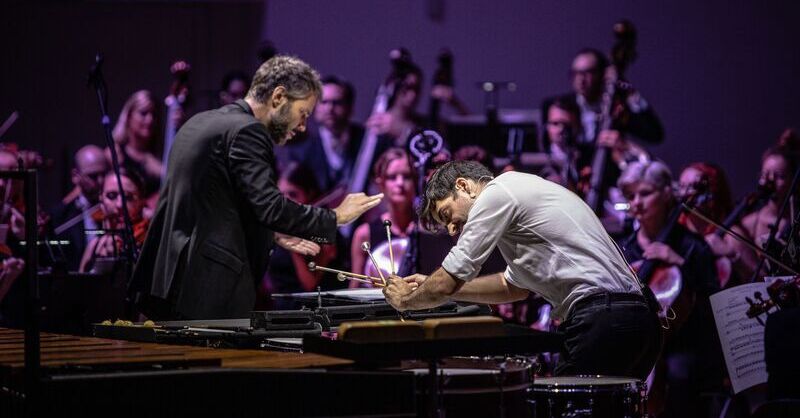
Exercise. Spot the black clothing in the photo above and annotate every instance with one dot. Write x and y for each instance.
(644, 126)
(76, 235)
(151, 183)
(612, 334)
(213, 227)
(781, 345)
(692, 353)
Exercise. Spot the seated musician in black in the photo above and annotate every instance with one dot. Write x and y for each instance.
(691, 358)
(587, 77)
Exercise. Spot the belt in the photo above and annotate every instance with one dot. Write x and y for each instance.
(609, 297)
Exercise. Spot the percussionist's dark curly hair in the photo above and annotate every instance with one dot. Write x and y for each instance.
(442, 183)
(297, 77)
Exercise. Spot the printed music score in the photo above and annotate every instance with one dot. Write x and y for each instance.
(742, 338)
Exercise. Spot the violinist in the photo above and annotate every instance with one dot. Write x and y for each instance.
(82, 201)
(709, 181)
(109, 245)
(396, 178)
(11, 266)
(691, 357)
(778, 165)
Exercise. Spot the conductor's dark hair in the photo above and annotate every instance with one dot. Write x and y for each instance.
(442, 183)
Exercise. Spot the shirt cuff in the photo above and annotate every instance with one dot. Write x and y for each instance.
(459, 265)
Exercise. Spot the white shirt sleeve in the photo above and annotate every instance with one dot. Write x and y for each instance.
(488, 220)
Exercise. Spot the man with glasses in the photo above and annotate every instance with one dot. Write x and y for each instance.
(587, 76)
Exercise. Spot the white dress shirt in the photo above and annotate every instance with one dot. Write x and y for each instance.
(553, 243)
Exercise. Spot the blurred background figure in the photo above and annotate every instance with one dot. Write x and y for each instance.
(137, 136)
(395, 177)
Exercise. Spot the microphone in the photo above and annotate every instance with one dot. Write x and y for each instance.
(95, 71)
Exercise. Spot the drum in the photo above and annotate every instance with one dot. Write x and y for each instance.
(476, 387)
(588, 396)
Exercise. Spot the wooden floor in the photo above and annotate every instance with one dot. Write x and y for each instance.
(66, 351)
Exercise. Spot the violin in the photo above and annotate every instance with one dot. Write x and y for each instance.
(724, 264)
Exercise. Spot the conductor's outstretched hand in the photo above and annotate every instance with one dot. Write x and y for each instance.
(354, 205)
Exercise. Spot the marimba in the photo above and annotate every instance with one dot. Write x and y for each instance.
(85, 375)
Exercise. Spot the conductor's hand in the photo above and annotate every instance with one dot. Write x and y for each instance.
(354, 205)
(297, 245)
(395, 291)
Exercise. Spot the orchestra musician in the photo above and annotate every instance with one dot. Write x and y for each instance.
(778, 165)
(90, 167)
(563, 128)
(587, 76)
(692, 357)
(396, 179)
(555, 246)
(109, 244)
(213, 227)
(400, 120)
(234, 86)
(11, 263)
(709, 179)
(137, 138)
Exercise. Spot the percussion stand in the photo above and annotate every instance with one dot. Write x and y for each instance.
(434, 399)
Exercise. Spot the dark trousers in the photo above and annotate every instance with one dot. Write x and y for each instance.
(612, 334)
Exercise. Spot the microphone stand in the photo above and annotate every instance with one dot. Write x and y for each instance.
(97, 81)
(423, 145)
(773, 231)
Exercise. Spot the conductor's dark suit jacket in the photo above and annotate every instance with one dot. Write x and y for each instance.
(210, 236)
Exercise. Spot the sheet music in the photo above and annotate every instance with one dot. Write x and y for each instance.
(742, 338)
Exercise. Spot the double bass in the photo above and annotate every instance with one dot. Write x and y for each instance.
(175, 102)
(400, 59)
(613, 115)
